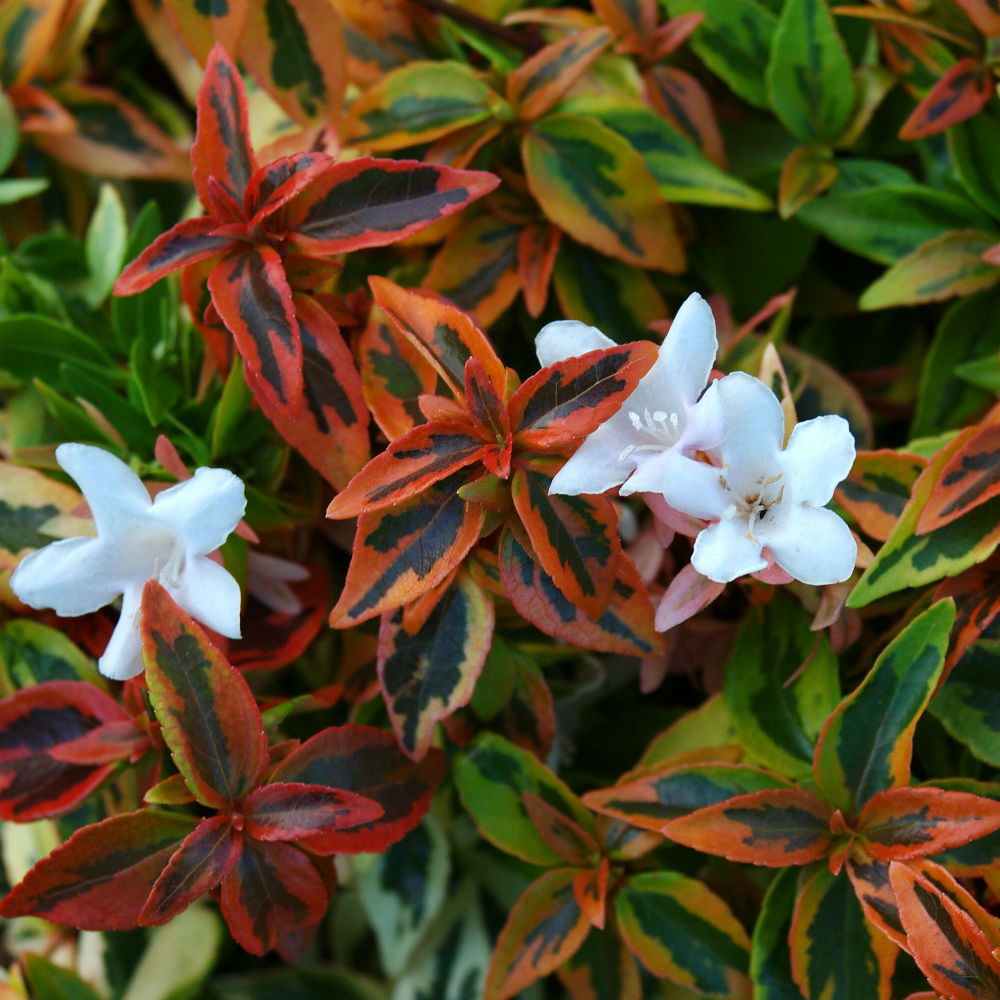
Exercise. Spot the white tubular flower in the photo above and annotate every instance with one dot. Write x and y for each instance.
(660, 418)
(138, 539)
(764, 496)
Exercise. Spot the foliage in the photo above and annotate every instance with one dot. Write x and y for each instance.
(557, 671)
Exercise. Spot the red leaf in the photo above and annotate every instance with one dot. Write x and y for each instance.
(209, 718)
(107, 744)
(574, 538)
(404, 551)
(100, 878)
(969, 478)
(276, 183)
(427, 454)
(977, 600)
(205, 857)
(221, 147)
(366, 761)
(34, 723)
(776, 827)
(370, 203)
(537, 247)
(903, 823)
(274, 891)
(625, 626)
(564, 835)
(446, 336)
(870, 880)
(590, 889)
(952, 951)
(189, 242)
(961, 93)
(291, 811)
(330, 428)
(984, 14)
(251, 295)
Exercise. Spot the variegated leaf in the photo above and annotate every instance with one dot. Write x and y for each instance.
(575, 845)
(681, 930)
(100, 878)
(288, 810)
(877, 489)
(209, 718)
(186, 243)
(545, 927)
(404, 551)
(961, 93)
(537, 247)
(429, 672)
(602, 968)
(970, 477)
(201, 25)
(867, 742)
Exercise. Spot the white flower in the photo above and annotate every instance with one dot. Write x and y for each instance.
(661, 417)
(138, 539)
(765, 497)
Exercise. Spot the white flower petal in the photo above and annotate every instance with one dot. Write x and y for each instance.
(568, 338)
(208, 594)
(724, 552)
(704, 424)
(649, 475)
(755, 431)
(695, 488)
(689, 350)
(203, 510)
(113, 491)
(819, 454)
(595, 467)
(122, 658)
(73, 577)
(811, 543)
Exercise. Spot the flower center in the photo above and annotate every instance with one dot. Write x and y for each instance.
(755, 505)
(662, 427)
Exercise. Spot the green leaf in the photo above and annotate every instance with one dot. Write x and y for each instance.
(968, 704)
(969, 329)
(867, 743)
(974, 145)
(911, 560)
(809, 81)
(54, 982)
(594, 185)
(948, 265)
(770, 958)
(104, 245)
(491, 778)
(10, 133)
(16, 189)
(679, 929)
(887, 221)
(836, 953)
(404, 890)
(776, 721)
(734, 41)
(32, 653)
(682, 173)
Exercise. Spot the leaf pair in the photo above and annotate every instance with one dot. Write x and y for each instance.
(262, 847)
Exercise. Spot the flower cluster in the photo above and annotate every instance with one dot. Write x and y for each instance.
(717, 452)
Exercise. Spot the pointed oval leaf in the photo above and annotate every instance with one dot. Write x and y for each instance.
(100, 878)
(952, 951)
(427, 454)
(567, 838)
(538, 83)
(428, 673)
(877, 489)
(447, 336)
(590, 889)
(203, 859)
(545, 927)
(368, 762)
(902, 823)
(34, 723)
(221, 147)
(679, 929)
(951, 264)
(537, 247)
(186, 243)
(602, 968)
(295, 50)
(770, 958)
(371, 203)
(201, 25)
(625, 626)
(870, 880)
(775, 827)
(289, 810)
(860, 964)
(416, 103)
(404, 551)
(492, 777)
(652, 800)
(574, 539)
(273, 892)
(961, 93)
(209, 718)
(806, 173)
(567, 400)
(591, 183)
(866, 744)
